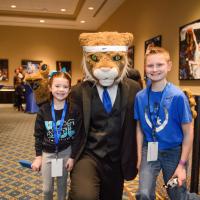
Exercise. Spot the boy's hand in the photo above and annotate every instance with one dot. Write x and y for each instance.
(69, 164)
(180, 173)
(37, 163)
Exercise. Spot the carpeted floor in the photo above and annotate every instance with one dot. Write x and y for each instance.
(17, 143)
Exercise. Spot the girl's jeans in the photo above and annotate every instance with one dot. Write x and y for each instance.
(167, 161)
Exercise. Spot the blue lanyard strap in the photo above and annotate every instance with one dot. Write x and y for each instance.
(57, 131)
(154, 122)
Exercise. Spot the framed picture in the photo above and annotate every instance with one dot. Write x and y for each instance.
(64, 66)
(189, 51)
(30, 66)
(155, 41)
(3, 69)
(131, 56)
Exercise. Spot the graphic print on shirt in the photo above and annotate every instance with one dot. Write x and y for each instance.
(161, 122)
(67, 133)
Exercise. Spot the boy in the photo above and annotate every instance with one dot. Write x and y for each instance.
(164, 129)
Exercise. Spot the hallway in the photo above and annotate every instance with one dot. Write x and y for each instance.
(17, 143)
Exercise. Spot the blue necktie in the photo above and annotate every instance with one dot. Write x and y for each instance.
(106, 100)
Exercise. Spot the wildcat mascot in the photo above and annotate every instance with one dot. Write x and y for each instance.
(108, 151)
(38, 81)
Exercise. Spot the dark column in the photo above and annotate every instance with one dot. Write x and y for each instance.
(196, 150)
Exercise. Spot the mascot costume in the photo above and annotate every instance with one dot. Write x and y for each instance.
(108, 152)
(38, 81)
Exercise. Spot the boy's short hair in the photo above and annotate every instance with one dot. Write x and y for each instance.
(157, 50)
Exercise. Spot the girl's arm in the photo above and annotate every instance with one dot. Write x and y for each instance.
(39, 133)
(39, 136)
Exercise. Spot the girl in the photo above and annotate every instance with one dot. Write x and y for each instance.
(56, 142)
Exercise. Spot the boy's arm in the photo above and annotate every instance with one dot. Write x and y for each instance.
(139, 138)
(186, 149)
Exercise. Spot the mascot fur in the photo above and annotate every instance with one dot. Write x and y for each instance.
(108, 152)
(38, 81)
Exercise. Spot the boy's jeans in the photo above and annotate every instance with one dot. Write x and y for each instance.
(167, 161)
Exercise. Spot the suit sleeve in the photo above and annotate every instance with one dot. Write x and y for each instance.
(76, 109)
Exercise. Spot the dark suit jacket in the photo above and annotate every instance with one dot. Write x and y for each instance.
(81, 96)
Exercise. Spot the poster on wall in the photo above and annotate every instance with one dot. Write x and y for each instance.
(155, 41)
(189, 51)
(3, 69)
(30, 66)
(64, 66)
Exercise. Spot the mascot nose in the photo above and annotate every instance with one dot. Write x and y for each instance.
(105, 69)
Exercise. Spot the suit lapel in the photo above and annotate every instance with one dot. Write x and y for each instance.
(124, 100)
(87, 94)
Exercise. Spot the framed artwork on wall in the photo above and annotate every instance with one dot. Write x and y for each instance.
(155, 41)
(3, 69)
(64, 66)
(131, 56)
(189, 51)
(30, 66)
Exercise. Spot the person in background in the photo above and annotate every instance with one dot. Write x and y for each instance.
(19, 94)
(164, 130)
(134, 74)
(18, 82)
(56, 141)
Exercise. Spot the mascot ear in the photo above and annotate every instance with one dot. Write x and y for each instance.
(44, 70)
(128, 38)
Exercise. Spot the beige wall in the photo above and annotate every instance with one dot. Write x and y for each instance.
(146, 19)
(48, 45)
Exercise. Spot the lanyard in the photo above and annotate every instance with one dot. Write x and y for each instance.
(154, 122)
(57, 131)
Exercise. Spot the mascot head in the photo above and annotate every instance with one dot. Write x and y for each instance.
(105, 56)
(38, 81)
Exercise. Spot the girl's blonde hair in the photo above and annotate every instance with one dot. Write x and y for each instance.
(157, 50)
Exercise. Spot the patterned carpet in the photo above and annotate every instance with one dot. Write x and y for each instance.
(17, 143)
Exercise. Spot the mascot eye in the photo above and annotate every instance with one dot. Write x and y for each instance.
(94, 58)
(44, 67)
(117, 58)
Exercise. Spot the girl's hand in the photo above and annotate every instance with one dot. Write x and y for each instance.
(37, 163)
(69, 164)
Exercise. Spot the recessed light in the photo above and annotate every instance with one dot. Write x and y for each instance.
(62, 9)
(82, 21)
(13, 6)
(42, 21)
(90, 8)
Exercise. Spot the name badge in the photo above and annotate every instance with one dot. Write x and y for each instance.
(56, 167)
(152, 153)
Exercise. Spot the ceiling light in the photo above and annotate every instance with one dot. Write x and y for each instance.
(42, 21)
(90, 8)
(82, 21)
(62, 9)
(13, 6)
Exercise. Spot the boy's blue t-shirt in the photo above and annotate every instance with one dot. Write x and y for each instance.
(167, 110)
